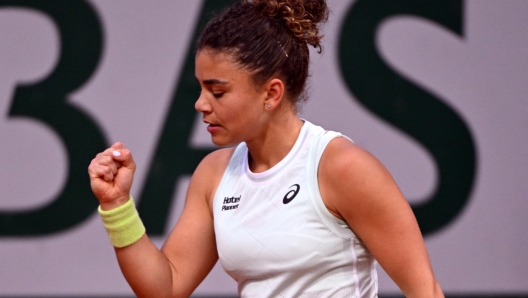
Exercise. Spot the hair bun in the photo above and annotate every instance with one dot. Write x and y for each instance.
(300, 16)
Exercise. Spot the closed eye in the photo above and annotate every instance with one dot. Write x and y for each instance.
(217, 94)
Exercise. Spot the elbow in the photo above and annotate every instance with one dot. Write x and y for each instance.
(433, 291)
(437, 290)
(430, 291)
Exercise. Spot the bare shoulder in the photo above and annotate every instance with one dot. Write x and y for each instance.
(343, 157)
(216, 161)
(351, 176)
(209, 172)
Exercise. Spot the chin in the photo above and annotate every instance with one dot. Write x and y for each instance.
(222, 142)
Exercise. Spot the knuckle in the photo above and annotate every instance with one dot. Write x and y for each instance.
(107, 170)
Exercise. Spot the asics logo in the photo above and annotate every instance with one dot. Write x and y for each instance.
(290, 195)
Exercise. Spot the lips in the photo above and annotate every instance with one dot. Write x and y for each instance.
(213, 128)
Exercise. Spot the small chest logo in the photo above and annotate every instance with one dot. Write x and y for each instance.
(231, 203)
(290, 195)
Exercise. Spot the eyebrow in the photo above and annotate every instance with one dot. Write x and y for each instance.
(214, 82)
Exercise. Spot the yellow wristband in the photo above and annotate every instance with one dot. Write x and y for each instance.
(123, 224)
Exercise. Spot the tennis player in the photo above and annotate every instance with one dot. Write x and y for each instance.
(291, 209)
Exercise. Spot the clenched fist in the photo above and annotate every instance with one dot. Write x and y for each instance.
(111, 175)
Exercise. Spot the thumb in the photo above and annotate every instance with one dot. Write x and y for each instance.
(125, 159)
(118, 145)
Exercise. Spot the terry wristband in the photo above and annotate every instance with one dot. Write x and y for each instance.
(123, 224)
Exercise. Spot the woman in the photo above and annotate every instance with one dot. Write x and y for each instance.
(292, 210)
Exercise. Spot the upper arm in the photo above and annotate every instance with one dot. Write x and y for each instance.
(358, 188)
(191, 246)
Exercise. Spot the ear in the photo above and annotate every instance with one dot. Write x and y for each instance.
(275, 93)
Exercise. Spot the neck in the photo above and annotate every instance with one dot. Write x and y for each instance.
(274, 143)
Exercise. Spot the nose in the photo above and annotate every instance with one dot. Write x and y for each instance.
(201, 104)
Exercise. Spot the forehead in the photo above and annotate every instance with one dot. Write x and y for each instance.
(216, 63)
(219, 68)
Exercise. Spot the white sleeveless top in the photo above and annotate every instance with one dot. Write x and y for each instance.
(276, 237)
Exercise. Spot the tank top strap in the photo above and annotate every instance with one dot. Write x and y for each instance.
(321, 139)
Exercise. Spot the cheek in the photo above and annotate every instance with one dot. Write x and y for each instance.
(241, 108)
(249, 114)
(241, 112)
(228, 114)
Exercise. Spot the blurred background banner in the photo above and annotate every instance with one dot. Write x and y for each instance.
(437, 90)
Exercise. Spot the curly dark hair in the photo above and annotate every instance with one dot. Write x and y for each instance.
(270, 38)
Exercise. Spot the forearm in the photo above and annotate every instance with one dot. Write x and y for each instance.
(144, 266)
(146, 269)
